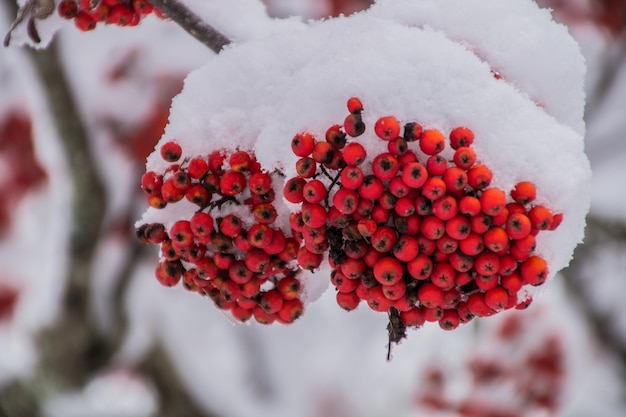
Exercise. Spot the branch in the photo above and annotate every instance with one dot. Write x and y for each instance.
(193, 24)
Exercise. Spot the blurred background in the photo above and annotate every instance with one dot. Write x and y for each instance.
(86, 330)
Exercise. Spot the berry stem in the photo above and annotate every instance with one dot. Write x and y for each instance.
(332, 184)
(192, 24)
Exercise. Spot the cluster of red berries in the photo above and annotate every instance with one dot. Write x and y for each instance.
(409, 232)
(530, 382)
(228, 249)
(88, 13)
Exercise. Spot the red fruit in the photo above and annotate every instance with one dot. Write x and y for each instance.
(385, 166)
(308, 260)
(455, 179)
(487, 263)
(354, 153)
(460, 137)
(68, 9)
(525, 245)
(101, 13)
(496, 298)
(398, 188)
(404, 207)
(480, 223)
(216, 162)
(371, 188)
(121, 15)
(239, 273)
(434, 188)
(445, 208)
(271, 301)
(231, 225)
(442, 275)
(512, 283)
(169, 273)
(260, 235)
(143, 7)
(348, 300)
(181, 234)
(232, 183)
(377, 301)
(432, 142)
(458, 227)
(464, 157)
(479, 177)
(436, 165)
(314, 191)
(351, 177)
(446, 245)
(469, 205)
(355, 105)
(496, 239)
(380, 215)
(406, 248)
(472, 245)
(492, 201)
(290, 311)
(323, 152)
(387, 128)
(201, 224)
(336, 137)
(353, 125)
(518, 226)
(409, 225)
(432, 227)
(265, 213)
(303, 144)
(429, 295)
(346, 200)
(384, 239)
(486, 282)
(151, 183)
(460, 263)
(257, 260)
(241, 314)
(240, 161)
(263, 317)
(534, 270)
(449, 320)
(412, 131)
(84, 22)
(540, 217)
(556, 221)
(293, 190)
(306, 167)
(395, 291)
(260, 183)
(524, 192)
(477, 306)
(397, 147)
(388, 271)
(289, 288)
(414, 175)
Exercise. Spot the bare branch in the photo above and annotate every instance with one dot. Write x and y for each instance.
(192, 23)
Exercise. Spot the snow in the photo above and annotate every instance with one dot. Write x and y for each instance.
(256, 96)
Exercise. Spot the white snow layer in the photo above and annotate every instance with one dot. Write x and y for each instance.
(420, 61)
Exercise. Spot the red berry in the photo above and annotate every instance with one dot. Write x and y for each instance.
(351, 177)
(496, 298)
(432, 142)
(434, 188)
(314, 191)
(336, 137)
(479, 177)
(492, 201)
(387, 128)
(458, 227)
(534, 270)
(346, 200)
(355, 105)
(385, 166)
(414, 175)
(449, 320)
(121, 15)
(406, 248)
(496, 239)
(445, 208)
(303, 144)
(232, 183)
(429, 295)
(518, 226)
(455, 179)
(540, 217)
(348, 301)
(143, 7)
(68, 9)
(84, 22)
(421, 267)
(461, 136)
(306, 167)
(524, 192)
(353, 125)
(201, 224)
(412, 131)
(293, 190)
(371, 188)
(354, 153)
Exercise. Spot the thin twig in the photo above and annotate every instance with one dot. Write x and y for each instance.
(193, 24)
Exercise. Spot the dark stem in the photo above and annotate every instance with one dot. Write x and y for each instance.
(193, 24)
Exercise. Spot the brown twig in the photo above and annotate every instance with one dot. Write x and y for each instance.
(192, 24)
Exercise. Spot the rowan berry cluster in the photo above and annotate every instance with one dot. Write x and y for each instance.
(409, 232)
(88, 13)
(229, 249)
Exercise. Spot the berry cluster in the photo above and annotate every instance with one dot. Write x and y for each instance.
(88, 13)
(228, 249)
(409, 232)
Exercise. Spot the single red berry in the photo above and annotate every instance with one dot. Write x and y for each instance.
(472, 245)
(260, 235)
(460, 263)
(385, 166)
(169, 273)
(101, 13)
(414, 175)
(413, 317)
(534, 270)
(293, 190)
(479, 177)
(464, 157)
(121, 15)
(306, 167)
(260, 183)
(421, 267)
(458, 227)
(445, 208)
(432, 142)
(443, 275)
(556, 221)
(455, 179)
(486, 282)
(143, 7)
(512, 283)
(492, 201)
(308, 260)
(257, 260)
(518, 226)
(354, 153)
(487, 263)
(198, 195)
(412, 131)
(353, 125)
(323, 152)
(241, 314)
(84, 22)
(151, 183)
(524, 192)
(395, 291)
(201, 224)
(380, 215)
(346, 200)
(460, 137)
(447, 245)
(303, 144)
(404, 207)
(387, 128)
(371, 188)
(348, 301)
(397, 146)
(477, 306)
(355, 105)
(496, 298)
(406, 248)
(432, 227)
(181, 234)
(314, 191)
(336, 137)
(429, 295)
(540, 217)
(232, 183)
(449, 320)
(351, 177)
(377, 301)
(262, 317)
(68, 9)
(469, 205)
(436, 165)
(496, 239)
